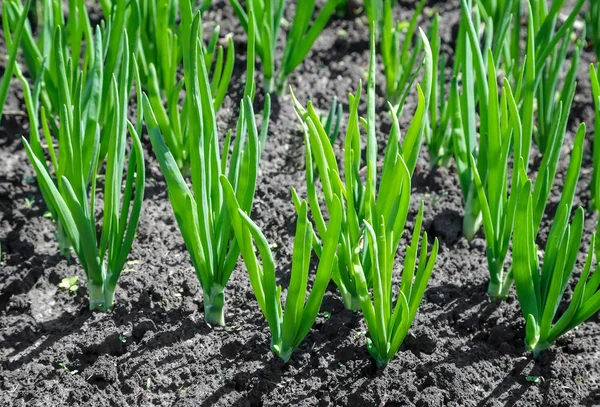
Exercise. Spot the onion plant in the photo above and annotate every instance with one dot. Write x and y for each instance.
(12, 45)
(469, 65)
(288, 327)
(266, 19)
(540, 288)
(595, 184)
(69, 184)
(170, 5)
(503, 30)
(400, 59)
(91, 57)
(552, 46)
(69, 77)
(201, 211)
(368, 201)
(374, 11)
(552, 50)
(334, 120)
(505, 129)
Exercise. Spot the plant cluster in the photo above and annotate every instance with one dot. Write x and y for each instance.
(162, 43)
(540, 289)
(373, 216)
(352, 224)
(201, 212)
(69, 184)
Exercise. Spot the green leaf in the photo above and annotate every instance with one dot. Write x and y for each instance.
(69, 283)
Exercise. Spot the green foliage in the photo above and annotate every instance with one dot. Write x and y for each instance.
(387, 323)
(498, 210)
(540, 289)
(552, 44)
(60, 83)
(12, 47)
(70, 86)
(169, 5)
(289, 328)
(400, 60)
(69, 184)
(69, 284)
(475, 100)
(265, 18)
(157, 35)
(334, 120)
(438, 131)
(366, 202)
(201, 211)
(97, 64)
(152, 34)
(504, 126)
(374, 11)
(594, 25)
(160, 54)
(595, 186)
(468, 66)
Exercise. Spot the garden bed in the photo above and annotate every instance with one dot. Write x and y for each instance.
(156, 349)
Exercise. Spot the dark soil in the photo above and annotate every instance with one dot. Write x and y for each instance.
(156, 349)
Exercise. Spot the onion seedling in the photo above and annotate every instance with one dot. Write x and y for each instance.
(266, 19)
(369, 201)
(387, 323)
(13, 48)
(552, 49)
(595, 184)
(289, 327)
(552, 46)
(334, 120)
(541, 288)
(70, 189)
(503, 37)
(374, 11)
(469, 66)
(438, 131)
(172, 120)
(201, 211)
(509, 127)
